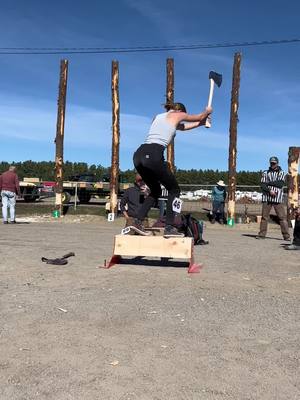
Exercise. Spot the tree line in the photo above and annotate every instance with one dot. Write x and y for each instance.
(44, 170)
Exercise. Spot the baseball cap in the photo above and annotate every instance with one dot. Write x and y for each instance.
(274, 159)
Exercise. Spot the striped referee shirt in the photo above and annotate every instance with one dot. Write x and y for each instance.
(277, 177)
(164, 193)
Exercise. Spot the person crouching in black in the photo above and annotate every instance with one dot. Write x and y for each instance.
(132, 200)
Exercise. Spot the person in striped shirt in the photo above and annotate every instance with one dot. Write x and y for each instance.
(272, 182)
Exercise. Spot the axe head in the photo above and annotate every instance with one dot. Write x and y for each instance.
(217, 78)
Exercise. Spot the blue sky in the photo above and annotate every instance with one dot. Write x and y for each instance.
(269, 111)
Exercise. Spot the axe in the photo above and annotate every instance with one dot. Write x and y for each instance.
(214, 78)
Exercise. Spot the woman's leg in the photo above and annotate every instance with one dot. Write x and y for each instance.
(150, 164)
(167, 178)
(147, 160)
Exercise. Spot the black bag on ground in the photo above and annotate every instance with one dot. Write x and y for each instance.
(187, 224)
(193, 228)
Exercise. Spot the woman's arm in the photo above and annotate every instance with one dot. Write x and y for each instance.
(190, 125)
(177, 117)
(197, 117)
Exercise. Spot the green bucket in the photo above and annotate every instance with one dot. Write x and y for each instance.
(56, 214)
(230, 221)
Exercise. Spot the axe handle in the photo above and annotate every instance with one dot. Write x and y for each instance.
(210, 97)
(211, 93)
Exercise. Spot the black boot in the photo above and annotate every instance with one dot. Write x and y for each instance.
(138, 227)
(171, 231)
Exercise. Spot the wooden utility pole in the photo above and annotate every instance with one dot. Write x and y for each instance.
(59, 139)
(292, 182)
(170, 99)
(233, 138)
(114, 173)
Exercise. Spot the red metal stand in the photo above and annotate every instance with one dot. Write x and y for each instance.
(194, 268)
(113, 261)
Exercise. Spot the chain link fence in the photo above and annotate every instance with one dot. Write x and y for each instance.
(197, 198)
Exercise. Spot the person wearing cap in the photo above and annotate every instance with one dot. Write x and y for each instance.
(132, 200)
(272, 182)
(150, 163)
(9, 189)
(218, 202)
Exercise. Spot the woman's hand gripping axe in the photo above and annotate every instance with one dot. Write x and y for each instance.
(214, 78)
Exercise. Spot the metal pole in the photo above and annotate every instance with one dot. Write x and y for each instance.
(170, 99)
(59, 139)
(114, 174)
(233, 138)
(292, 182)
(75, 200)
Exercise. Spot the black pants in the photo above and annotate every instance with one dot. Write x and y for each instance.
(296, 239)
(150, 164)
(218, 210)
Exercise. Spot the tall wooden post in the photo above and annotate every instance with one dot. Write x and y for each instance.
(59, 139)
(233, 138)
(292, 182)
(114, 174)
(170, 99)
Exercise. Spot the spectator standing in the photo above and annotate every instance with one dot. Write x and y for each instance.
(9, 188)
(272, 182)
(218, 202)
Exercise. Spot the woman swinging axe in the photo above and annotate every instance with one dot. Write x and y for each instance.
(150, 164)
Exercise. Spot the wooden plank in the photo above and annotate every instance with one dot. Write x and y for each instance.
(73, 184)
(32, 180)
(153, 246)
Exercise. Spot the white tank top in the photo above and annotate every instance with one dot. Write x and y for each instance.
(161, 131)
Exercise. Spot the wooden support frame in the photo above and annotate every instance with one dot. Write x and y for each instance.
(153, 246)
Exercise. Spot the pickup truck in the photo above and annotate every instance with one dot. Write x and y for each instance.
(86, 186)
(30, 191)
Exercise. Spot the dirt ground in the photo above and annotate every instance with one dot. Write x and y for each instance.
(146, 331)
